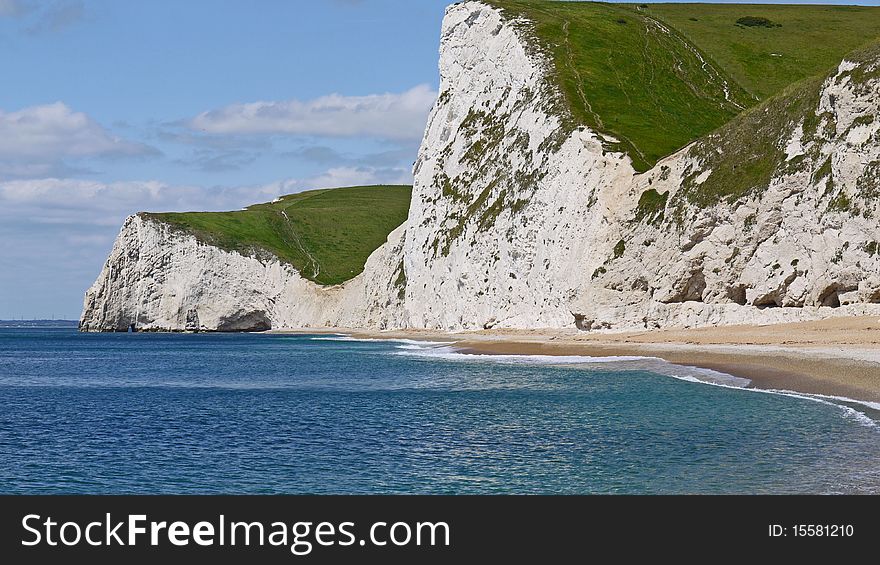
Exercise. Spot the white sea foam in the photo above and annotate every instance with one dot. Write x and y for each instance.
(847, 411)
(632, 362)
(651, 364)
(452, 354)
(414, 342)
(867, 403)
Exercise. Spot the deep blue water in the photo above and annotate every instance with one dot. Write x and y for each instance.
(242, 413)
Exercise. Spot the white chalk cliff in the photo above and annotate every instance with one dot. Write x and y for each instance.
(162, 279)
(519, 220)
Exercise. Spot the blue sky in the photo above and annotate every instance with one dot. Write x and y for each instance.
(111, 107)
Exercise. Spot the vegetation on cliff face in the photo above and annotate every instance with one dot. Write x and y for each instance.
(486, 132)
(744, 156)
(653, 78)
(651, 206)
(327, 235)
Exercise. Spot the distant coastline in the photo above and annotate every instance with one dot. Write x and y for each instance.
(39, 323)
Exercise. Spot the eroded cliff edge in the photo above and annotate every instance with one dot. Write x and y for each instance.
(522, 218)
(162, 279)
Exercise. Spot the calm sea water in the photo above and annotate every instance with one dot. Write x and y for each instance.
(150, 413)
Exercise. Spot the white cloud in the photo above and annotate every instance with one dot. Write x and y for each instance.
(328, 156)
(25, 169)
(43, 17)
(387, 116)
(73, 201)
(54, 131)
(13, 8)
(58, 16)
(361, 176)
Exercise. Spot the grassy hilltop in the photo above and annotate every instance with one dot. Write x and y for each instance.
(656, 77)
(326, 235)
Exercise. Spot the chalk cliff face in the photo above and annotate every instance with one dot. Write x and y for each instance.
(160, 279)
(519, 218)
(510, 204)
(805, 246)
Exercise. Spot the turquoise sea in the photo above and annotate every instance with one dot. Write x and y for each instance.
(270, 413)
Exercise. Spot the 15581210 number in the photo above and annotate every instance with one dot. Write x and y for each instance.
(822, 530)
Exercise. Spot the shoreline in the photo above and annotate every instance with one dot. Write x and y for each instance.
(764, 369)
(838, 357)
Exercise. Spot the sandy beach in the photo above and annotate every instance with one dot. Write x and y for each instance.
(836, 357)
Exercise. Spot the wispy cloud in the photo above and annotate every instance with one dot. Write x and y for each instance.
(177, 132)
(54, 130)
(36, 141)
(75, 201)
(327, 156)
(14, 8)
(21, 169)
(355, 176)
(213, 161)
(235, 137)
(388, 116)
(43, 17)
(57, 16)
(53, 201)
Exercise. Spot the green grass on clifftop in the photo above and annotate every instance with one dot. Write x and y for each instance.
(658, 76)
(326, 235)
(805, 41)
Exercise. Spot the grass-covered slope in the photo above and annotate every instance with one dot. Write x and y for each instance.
(656, 77)
(625, 75)
(326, 235)
(801, 41)
(744, 155)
